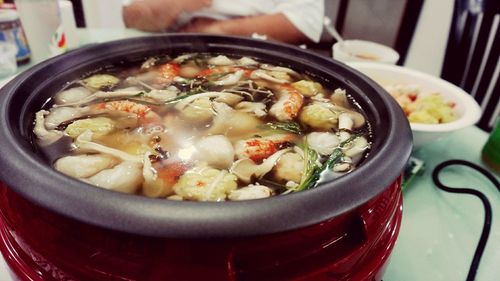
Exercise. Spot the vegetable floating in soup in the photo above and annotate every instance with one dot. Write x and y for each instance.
(203, 128)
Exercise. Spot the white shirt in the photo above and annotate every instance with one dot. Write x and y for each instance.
(306, 15)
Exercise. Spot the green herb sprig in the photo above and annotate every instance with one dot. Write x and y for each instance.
(292, 127)
(313, 170)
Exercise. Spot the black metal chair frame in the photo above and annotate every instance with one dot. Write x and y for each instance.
(472, 59)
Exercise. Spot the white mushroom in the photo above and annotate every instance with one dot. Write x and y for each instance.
(149, 63)
(357, 118)
(289, 168)
(357, 147)
(125, 177)
(339, 97)
(83, 166)
(256, 108)
(232, 123)
(63, 114)
(245, 168)
(72, 95)
(341, 167)
(216, 150)
(125, 92)
(323, 142)
(345, 121)
(186, 101)
(230, 79)
(246, 61)
(84, 143)
(198, 111)
(229, 98)
(280, 69)
(264, 75)
(45, 136)
(250, 192)
(345, 124)
(163, 95)
(220, 60)
(142, 78)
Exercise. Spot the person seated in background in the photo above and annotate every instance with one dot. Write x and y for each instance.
(291, 21)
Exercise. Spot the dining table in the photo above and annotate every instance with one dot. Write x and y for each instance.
(439, 231)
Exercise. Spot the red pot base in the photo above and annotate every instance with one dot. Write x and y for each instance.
(38, 244)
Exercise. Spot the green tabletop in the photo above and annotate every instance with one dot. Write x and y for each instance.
(440, 230)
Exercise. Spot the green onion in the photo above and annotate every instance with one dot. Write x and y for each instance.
(187, 94)
(216, 76)
(292, 127)
(313, 170)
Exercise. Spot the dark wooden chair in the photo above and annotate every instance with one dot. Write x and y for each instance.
(78, 10)
(472, 55)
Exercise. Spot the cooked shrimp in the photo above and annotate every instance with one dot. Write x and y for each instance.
(125, 106)
(142, 111)
(169, 71)
(154, 186)
(288, 105)
(259, 149)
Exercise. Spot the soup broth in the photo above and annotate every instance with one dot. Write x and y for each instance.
(202, 127)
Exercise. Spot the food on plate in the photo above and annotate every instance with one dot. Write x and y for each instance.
(421, 106)
(202, 127)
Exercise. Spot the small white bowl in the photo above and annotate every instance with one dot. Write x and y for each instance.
(367, 51)
(467, 108)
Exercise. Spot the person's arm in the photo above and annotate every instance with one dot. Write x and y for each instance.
(275, 26)
(158, 15)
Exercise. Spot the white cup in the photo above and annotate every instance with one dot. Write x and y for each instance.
(41, 21)
(367, 51)
(69, 23)
(8, 64)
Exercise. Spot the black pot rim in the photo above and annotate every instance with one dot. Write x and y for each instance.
(31, 177)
